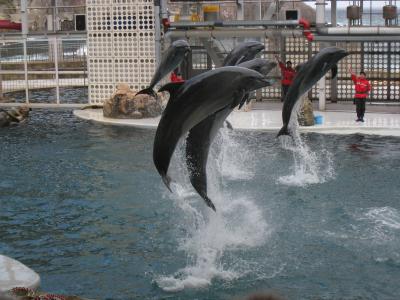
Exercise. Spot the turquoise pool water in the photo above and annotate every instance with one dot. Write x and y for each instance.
(83, 205)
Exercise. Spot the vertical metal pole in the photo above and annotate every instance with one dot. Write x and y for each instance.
(26, 72)
(389, 62)
(334, 24)
(55, 17)
(55, 54)
(1, 83)
(24, 18)
(157, 29)
(320, 20)
(24, 25)
(240, 9)
(320, 13)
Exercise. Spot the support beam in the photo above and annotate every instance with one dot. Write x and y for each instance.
(208, 45)
(334, 24)
(157, 30)
(240, 9)
(320, 13)
(322, 87)
(24, 17)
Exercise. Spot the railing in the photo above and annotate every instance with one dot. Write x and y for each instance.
(52, 65)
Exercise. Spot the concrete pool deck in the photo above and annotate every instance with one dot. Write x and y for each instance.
(384, 120)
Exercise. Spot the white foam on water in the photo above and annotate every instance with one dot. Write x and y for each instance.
(311, 166)
(206, 236)
(385, 216)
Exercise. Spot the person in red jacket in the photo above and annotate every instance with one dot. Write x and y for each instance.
(176, 76)
(288, 74)
(362, 87)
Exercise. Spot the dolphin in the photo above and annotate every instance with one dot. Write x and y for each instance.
(194, 100)
(309, 74)
(260, 65)
(170, 60)
(243, 52)
(201, 136)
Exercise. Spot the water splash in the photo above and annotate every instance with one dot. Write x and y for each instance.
(208, 238)
(232, 156)
(310, 166)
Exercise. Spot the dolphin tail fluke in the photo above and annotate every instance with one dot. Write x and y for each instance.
(148, 91)
(209, 203)
(284, 131)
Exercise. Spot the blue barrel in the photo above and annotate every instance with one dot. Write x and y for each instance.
(318, 120)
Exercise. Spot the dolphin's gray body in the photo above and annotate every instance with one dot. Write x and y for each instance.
(201, 136)
(193, 101)
(243, 52)
(260, 65)
(170, 60)
(309, 74)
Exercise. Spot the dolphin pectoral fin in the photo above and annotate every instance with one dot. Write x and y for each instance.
(284, 131)
(148, 91)
(228, 125)
(244, 100)
(238, 97)
(334, 71)
(171, 88)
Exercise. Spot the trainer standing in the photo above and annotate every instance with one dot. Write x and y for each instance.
(288, 74)
(362, 87)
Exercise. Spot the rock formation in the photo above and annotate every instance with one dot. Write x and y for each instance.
(306, 113)
(125, 104)
(14, 115)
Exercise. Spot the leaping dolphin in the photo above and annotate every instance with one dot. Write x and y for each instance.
(309, 73)
(193, 101)
(260, 65)
(243, 52)
(170, 60)
(201, 136)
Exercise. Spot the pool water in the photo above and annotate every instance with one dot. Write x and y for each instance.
(68, 95)
(83, 205)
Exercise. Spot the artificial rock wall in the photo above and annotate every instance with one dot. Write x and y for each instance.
(121, 45)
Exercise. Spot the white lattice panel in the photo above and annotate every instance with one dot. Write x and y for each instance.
(121, 45)
(99, 18)
(127, 70)
(125, 44)
(146, 44)
(101, 70)
(147, 68)
(100, 44)
(100, 92)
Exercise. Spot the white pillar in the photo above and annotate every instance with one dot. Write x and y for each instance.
(157, 30)
(55, 53)
(322, 94)
(320, 13)
(320, 20)
(24, 17)
(240, 9)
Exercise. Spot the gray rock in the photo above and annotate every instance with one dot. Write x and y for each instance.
(125, 104)
(306, 114)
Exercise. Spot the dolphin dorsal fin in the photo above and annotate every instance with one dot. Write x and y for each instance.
(171, 88)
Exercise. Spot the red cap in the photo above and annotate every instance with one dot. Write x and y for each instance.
(310, 37)
(166, 23)
(304, 23)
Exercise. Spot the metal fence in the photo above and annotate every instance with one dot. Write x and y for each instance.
(43, 71)
(380, 61)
